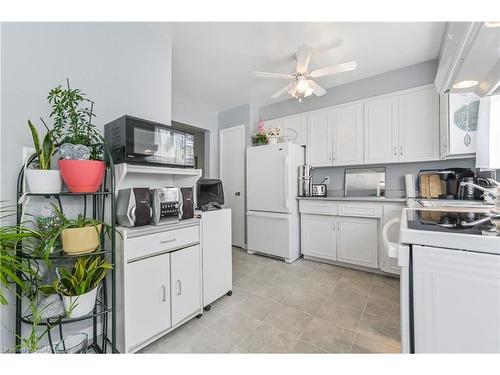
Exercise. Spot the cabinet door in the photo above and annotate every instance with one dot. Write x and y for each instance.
(185, 283)
(357, 241)
(347, 135)
(294, 129)
(381, 130)
(319, 139)
(419, 125)
(388, 264)
(456, 301)
(147, 299)
(318, 236)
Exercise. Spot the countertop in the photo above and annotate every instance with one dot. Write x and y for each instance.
(357, 199)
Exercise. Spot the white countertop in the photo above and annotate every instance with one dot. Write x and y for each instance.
(357, 199)
(459, 241)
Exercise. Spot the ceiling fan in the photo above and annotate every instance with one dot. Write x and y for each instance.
(302, 84)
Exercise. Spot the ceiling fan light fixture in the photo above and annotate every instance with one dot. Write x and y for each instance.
(302, 85)
(465, 84)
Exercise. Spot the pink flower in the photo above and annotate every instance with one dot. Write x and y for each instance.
(261, 128)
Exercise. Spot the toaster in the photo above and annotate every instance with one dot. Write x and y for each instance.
(318, 190)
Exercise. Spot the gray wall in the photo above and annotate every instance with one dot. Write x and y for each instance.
(125, 67)
(404, 78)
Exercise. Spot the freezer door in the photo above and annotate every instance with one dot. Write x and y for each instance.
(268, 178)
(269, 233)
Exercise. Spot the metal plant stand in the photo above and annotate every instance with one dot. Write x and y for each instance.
(103, 308)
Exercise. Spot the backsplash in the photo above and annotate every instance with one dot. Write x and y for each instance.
(394, 179)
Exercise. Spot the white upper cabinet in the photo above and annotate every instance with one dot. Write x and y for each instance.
(419, 125)
(294, 129)
(381, 130)
(319, 139)
(347, 132)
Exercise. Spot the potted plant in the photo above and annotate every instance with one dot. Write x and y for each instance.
(78, 236)
(79, 286)
(43, 179)
(261, 137)
(273, 134)
(81, 166)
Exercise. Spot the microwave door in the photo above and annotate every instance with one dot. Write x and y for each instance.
(166, 146)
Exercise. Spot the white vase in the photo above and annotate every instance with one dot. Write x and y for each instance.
(44, 181)
(273, 140)
(81, 305)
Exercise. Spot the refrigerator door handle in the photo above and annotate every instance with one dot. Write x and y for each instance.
(285, 183)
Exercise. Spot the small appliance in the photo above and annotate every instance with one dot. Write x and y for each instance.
(305, 180)
(319, 190)
(133, 208)
(442, 184)
(166, 205)
(209, 194)
(134, 140)
(187, 204)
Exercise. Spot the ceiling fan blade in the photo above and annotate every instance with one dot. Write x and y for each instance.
(303, 55)
(317, 89)
(283, 90)
(345, 67)
(273, 75)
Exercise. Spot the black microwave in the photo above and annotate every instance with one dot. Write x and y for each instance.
(138, 141)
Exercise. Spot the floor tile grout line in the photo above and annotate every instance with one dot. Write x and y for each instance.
(361, 317)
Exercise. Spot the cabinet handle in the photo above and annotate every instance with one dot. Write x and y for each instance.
(334, 156)
(401, 150)
(333, 227)
(330, 155)
(395, 150)
(179, 287)
(164, 293)
(167, 241)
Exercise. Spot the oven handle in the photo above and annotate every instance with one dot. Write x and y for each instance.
(392, 248)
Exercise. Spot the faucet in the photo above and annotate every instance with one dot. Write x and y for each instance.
(489, 194)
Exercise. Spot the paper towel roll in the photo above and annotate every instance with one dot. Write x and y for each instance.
(410, 185)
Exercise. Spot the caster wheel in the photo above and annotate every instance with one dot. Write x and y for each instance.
(199, 316)
(230, 293)
(207, 308)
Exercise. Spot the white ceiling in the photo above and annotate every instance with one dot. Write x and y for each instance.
(213, 62)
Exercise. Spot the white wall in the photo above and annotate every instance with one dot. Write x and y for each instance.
(194, 113)
(126, 68)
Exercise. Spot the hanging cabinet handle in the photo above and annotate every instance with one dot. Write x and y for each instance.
(401, 150)
(395, 150)
(179, 287)
(330, 155)
(164, 293)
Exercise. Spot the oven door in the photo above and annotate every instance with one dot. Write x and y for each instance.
(147, 142)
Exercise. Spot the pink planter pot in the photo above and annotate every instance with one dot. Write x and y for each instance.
(82, 176)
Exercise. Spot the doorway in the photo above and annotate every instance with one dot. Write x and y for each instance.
(232, 173)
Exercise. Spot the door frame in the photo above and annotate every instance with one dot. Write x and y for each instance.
(242, 127)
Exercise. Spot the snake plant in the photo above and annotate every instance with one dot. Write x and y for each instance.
(44, 150)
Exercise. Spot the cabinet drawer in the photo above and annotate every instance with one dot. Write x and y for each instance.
(160, 242)
(318, 207)
(360, 210)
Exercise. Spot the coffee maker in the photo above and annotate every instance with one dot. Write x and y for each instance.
(450, 182)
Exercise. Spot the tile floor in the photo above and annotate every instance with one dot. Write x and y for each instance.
(304, 307)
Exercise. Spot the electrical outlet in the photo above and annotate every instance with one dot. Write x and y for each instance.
(27, 152)
(327, 180)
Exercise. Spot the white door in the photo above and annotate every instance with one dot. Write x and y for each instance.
(268, 178)
(419, 125)
(357, 241)
(147, 299)
(294, 129)
(232, 174)
(318, 236)
(381, 130)
(319, 139)
(185, 283)
(456, 297)
(270, 233)
(388, 264)
(348, 135)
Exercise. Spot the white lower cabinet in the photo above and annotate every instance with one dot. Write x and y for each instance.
(318, 236)
(147, 298)
(185, 283)
(357, 241)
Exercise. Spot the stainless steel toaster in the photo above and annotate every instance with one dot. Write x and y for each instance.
(318, 190)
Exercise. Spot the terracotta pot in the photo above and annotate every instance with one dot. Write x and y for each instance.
(81, 240)
(82, 176)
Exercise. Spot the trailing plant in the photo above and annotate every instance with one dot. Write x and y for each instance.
(44, 150)
(259, 139)
(72, 114)
(51, 237)
(86, 275)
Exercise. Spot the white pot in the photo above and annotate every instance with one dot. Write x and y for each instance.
(44, 181)
(273, 140)
(81, 305)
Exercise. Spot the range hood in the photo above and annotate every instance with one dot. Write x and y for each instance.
(470, 51)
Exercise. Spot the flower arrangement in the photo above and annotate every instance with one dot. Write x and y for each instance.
(273, 134)
(261, 137)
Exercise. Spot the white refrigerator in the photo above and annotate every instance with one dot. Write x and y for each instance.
(273, 224)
